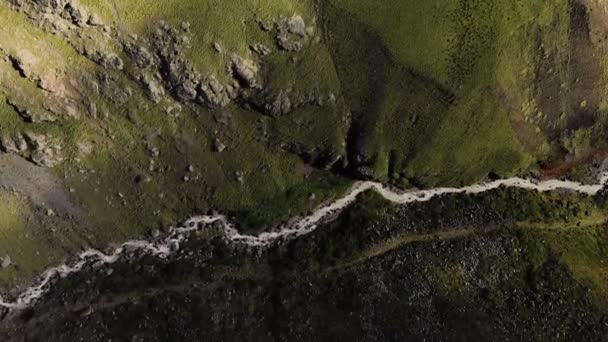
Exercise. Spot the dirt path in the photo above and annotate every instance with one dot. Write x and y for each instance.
(393, 244)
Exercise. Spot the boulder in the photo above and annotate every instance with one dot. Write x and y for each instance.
(213, 93)
(152, 87)
(245, 71)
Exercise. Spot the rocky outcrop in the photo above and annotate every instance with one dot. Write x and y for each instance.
(213, 93)
(53, 10)
(165, 54)
(31, 114)
(152, 87)
(261, 49)
(277, 103)
(41, 149)
(292, 33)
(245, 71)
(139, 55)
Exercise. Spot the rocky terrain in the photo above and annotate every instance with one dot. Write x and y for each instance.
(120, 119)
(503, 265)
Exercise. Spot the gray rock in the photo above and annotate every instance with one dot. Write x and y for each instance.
(139, 55)
(281, 105)
(245, 71)
(95, 20)
(153, 89)
(187, 90)
(219, 146)
(7, 144)
(35, 115)
(264, 26)
(24, 61)
(287, 44)
(261, 49)
(93, 110)
(43, 151)
(296, 25)
(186, 26)
(108, 60)
(213, 93)
(291, 33)
(6, 261)
(74, 13)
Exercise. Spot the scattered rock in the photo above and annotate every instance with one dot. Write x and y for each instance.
(186, 26)
(7, 145)
(154, 151)
(93, 110)
(218, 48)
(85, 147)
(38, 148)
(240, 177)
(261, 49)
(6, 262)
(264, 26)
(218, 146)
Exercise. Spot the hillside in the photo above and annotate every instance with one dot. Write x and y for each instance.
(122, 118)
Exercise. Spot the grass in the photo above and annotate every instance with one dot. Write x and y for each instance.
(24, 240)
(436, 93)
(581, 249)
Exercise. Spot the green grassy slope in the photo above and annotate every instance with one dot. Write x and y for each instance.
(478, 67)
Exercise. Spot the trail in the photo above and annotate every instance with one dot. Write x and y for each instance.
(169, 245)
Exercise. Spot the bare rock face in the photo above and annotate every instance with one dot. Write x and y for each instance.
(139, 55)
(153, 88)
(43, 150)
(24, 61)
(213, 93)
(6, 262)
(40, 149)
(261, 49)
(245, 71)
(34, 115)
(281, 104)
(179, 76)
(292, 33)
(295, 25)
(108, 60)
